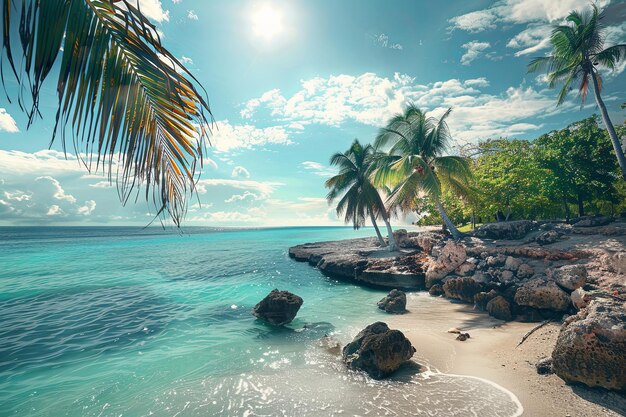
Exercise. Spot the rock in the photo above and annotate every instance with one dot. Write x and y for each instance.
(581, 298)
(547, 238)
(512, 264)
(593, 221)
(427, 241)
(394, 302)
(525, 271)
(463, 337)
(506, 277)
(499, 308)
(591, 347)
(462, 289)
(402, 239)
(378, 350)
(544, 366)
(454, 330)
(542, 294)
(497, 260)
(436, 290)
(614, 262)
(451, 257)
(278, 307)
(506, 230)
(465, 269)
(569, 277)
(482, 298)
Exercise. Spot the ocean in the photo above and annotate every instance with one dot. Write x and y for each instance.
(117, 321)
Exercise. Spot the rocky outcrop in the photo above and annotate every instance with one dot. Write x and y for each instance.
(499, 308)
(569, 277)
(548, 238)
(462, 289)
(482, 298)
(394, 302)
(278, 307)
(543, 294)
(362, 261)
(436, 290)
(451, 256)
(591, 347)
(378, 350)
(593, 221)
(506, 230)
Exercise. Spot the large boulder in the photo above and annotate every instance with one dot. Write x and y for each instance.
(591, 347)
(593, 221)
(543, 294)
(451, 256)
(482, 298)
(462, 289)
(436, 290)
(569, 277)
(505, 230)
(427, 241)
(547, 238)
(278, 307)
(394, 302)
(378, 350)
(499, 308)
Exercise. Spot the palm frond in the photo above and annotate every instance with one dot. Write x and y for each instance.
(610, 56)
(121, 95)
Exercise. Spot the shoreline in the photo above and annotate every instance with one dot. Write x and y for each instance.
(490, 355)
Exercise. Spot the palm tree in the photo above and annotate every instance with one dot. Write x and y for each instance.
(360, 197)
(138, 113)
(577, 52)
(415, 163)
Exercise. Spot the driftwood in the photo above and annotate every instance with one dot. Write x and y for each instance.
(531, 331)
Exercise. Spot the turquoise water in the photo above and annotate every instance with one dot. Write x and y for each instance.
(138, 322)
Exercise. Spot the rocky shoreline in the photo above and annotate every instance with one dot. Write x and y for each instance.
(524, 271)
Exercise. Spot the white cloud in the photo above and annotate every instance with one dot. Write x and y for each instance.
(382, 40)
(153, 9)
(7, 123)
(88, 208)
(262, 189)
(54, 210)
(240, 172)
(177, 1)
(192, 15)
(247, 195)
(319, 169)
(475, 21)
(102, 184)
(59, 192)
(227, 137)
(186, 60)
(473, 50)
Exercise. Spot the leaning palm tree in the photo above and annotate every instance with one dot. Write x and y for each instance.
(415, 165)
(577, 53)
(360, 197)
(132, 109)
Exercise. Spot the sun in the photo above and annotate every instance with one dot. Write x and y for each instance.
(267, 22)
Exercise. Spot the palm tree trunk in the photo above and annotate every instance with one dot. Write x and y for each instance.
(380, 237)
(392, 240)
(617, 146)
(581, 205)
(446, 220)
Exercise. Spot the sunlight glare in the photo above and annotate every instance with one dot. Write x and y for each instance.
(267, 22)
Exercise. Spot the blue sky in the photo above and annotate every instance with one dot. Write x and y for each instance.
(291, 82)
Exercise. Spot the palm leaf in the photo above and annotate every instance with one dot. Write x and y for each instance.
(120, 94)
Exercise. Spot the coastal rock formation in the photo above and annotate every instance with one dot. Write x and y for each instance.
(394, 302)
(569, 277)
(581, 298)
(436, 290)
(593, 221)
(499, 308)
(278, 307)
(544, 366)
(378, 350)
(591, 347)
(427, 241)
(482, 298)
(462, 289)
(547, 238)
(506, 230)
(451, 256)
(543, 294)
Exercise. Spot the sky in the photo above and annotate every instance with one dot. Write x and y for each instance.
(290, 82)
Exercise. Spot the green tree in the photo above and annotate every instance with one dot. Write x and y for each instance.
(360, 198)
(577, 52)
(581, 163)
(415, 164)
(138, 113)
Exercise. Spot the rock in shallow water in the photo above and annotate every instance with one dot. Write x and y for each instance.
(591, 347)
(378, 350)
(394, 302)
(278, 307)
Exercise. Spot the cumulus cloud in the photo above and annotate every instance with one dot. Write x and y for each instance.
(473, 50)
(227, 136)
(153, 9)
(191, 15)
(240, 172)
(261, 188)
(247, 195)
(7, 123)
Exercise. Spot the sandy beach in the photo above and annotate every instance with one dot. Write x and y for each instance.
(491, 354)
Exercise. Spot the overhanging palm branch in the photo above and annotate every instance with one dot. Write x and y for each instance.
(133, 110)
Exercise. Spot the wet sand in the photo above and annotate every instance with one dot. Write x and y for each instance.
(491, 354)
